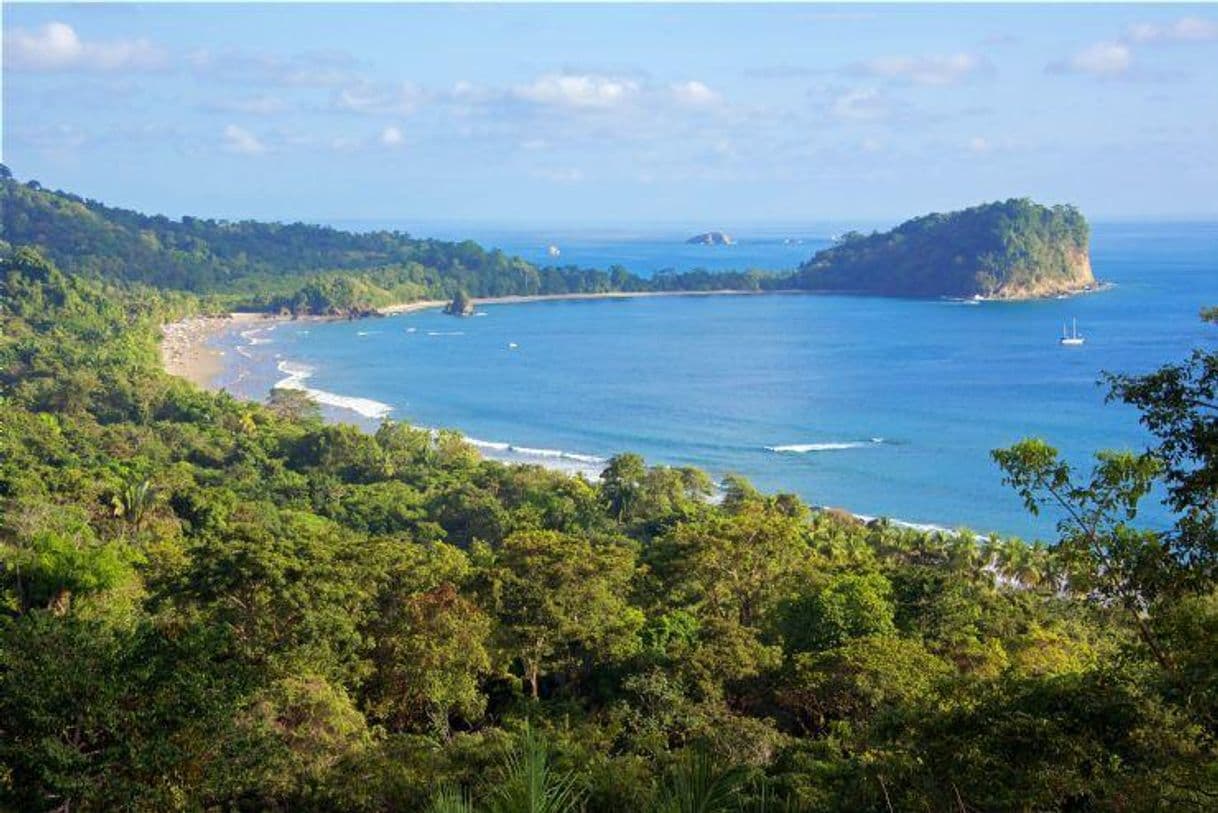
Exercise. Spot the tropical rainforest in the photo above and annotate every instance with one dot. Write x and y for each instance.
(1013, 249)
(210, 604)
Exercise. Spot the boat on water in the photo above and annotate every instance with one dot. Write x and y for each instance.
(1072, 338)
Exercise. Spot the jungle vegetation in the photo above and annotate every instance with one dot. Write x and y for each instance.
(209, 604)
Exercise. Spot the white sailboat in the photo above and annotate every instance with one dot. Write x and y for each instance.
(1072, 338)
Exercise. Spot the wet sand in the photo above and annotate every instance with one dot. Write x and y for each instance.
(185, 351)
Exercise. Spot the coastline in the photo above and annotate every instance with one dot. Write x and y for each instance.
(186, 353)
(519, 299)
(185, 349)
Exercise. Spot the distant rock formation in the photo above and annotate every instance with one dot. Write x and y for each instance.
(711, 238)
(461, 305)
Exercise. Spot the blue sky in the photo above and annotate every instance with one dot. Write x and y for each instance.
(721, 115)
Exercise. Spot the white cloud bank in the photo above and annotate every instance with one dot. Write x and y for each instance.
(392, 137)
(240, 141)
(925, 70)
(578, 91)
(861, 105)
(57, 47)
(1103, 60)
(694, 94)
(1185, 29)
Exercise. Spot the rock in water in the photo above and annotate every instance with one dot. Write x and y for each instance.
(711, 238)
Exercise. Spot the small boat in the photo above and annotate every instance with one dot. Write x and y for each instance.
(512, 345)
(553, 250)
(1072, 339)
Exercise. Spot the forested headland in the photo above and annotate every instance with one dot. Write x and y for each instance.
(1013, 250)
(297, 268)
(209, 604)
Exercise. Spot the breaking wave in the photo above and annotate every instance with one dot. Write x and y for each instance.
(298, 374)
(835, 446)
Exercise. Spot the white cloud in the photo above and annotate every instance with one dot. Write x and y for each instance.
(402, 99)
(561, 175)
(694, 94)
(979, 145)
(241, 141)
(1185, 29)
(307, 69)
(57, 47)
(867, 104)
(250, 105)
(1103, 59)
(925, 70)
(392, 137)
(578, 91)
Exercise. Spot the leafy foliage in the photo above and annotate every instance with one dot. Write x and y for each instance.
(209, 604)
(1008, 248)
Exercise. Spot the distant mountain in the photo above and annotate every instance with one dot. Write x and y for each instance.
(711, 238)
(1014, 249)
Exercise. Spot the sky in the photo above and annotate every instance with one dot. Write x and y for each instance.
(594, 114)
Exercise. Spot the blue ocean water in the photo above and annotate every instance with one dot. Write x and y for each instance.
(645, 251)
(879, 406)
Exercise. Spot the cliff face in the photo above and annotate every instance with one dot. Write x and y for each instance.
(1073, 275)
(1014, 249)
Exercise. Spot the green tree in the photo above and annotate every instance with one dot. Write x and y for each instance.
(849, 606)
(429, 657)
(562, 600)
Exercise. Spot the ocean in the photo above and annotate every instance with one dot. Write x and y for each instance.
(882, 407)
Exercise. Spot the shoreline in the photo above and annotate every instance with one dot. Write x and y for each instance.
(520, 299)
(185, 352)
(184, 344)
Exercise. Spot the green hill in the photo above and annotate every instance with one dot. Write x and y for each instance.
(1014, 249)
(299, 267)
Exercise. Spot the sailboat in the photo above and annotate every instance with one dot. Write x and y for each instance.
(1072, 338)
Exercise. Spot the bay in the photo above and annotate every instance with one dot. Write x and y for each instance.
(879, 406)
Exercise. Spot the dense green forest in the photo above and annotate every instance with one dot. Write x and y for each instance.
(294, 267)
(1013, 249)
(1010, 249)
(208, 604)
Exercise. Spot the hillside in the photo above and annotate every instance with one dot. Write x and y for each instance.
(296, 267)
(1014, 249)
(207, 604)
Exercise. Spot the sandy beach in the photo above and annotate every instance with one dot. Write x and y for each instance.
(184, 349)
(427, 304)
(185, 352)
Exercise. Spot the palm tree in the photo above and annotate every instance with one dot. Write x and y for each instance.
(450, 800)
(134, 501)
(530, 784)
(964, 554)
(698, 785)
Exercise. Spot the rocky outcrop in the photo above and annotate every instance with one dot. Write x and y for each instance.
(711, 238)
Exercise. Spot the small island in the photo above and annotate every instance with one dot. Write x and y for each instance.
(461, 305)
(711, 238)
(1014, 249)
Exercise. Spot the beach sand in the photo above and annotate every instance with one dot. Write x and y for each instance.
(185, 351)
(411, 307)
